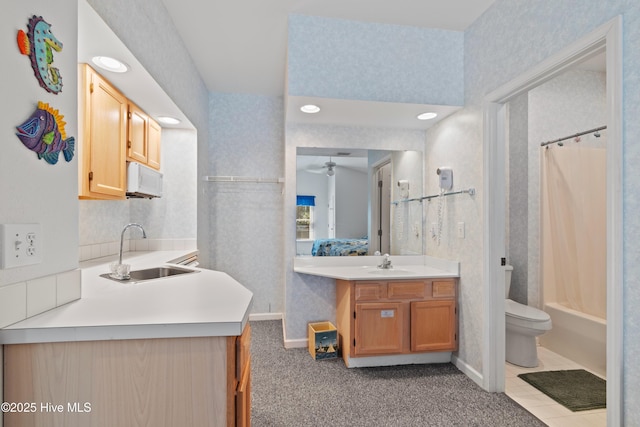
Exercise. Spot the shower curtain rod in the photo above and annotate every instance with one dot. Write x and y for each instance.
(542, 144)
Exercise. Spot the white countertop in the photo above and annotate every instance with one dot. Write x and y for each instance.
(206, 303)
(365, 267)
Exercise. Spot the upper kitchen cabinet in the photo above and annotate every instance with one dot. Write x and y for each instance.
(115, 131)
(102, 167)
(137, 134)
(143, 138)
(153, 144)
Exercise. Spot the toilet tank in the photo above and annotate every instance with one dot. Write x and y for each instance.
(508, 269)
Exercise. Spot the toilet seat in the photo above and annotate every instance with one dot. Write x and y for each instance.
(524, 312)
(523, 316)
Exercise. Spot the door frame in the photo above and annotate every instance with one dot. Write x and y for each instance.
(607, 37)
(375, 200)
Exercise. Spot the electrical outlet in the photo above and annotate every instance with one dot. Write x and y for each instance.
(20, 245)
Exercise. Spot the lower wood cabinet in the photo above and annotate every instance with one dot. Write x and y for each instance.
(378, 328)
(200, 381)
(239, 379)
(379, 318)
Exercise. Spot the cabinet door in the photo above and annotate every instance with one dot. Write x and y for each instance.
(243, 398)
(153, 144)
(137, 135)
(378, 328)
(104, 144)
(433, 325)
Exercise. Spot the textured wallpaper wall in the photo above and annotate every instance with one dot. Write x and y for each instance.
(246, 222)
(173, 216)
(513, 36)
(335, 58)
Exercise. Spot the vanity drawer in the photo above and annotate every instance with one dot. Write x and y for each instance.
(406, 290)
(443, 289)
(370, 291)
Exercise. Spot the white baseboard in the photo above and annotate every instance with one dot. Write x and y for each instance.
(299, 343)
(265, 316)
(467, 370)
(402, 359)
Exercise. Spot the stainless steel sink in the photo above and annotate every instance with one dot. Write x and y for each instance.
(151, 274)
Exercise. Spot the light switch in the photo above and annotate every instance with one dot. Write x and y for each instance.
(21, 245)
(461, 230)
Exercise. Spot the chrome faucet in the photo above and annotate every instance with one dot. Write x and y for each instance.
(386, 262)
(144, 236)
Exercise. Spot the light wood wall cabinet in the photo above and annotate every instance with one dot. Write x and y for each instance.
(143, 138)
(380, 318)
(114, 130)
(202, 381)
(137, 134)
(153, 144)
(102, 169)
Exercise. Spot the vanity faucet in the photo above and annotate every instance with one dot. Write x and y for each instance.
(386, 262)
(144, 236)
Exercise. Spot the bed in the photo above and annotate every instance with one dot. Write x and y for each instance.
(340, 247)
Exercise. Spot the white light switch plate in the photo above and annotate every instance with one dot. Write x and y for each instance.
(21, 245)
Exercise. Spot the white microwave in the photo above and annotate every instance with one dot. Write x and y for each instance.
(142, 181)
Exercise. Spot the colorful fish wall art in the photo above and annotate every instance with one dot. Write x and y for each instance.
(38, 43)
(43, 132)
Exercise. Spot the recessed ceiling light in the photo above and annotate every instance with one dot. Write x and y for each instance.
(110, 64)
(168, 120)
(310, 108)
(427, 116)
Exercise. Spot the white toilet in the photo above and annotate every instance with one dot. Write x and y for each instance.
(524, 324)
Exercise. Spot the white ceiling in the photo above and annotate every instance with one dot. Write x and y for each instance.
(240, 46)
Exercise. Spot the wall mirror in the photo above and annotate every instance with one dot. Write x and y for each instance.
(350, 202)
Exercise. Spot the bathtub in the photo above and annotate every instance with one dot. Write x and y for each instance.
(577, 336)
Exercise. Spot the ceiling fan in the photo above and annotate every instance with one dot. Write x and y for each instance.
(329, 168)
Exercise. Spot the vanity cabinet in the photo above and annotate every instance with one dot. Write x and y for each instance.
(191, 381)
(380, 318)
(143, 138)
(102, 167)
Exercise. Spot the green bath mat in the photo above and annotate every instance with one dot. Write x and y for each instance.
(577, 389)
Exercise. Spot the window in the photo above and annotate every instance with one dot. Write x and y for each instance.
(304, 216)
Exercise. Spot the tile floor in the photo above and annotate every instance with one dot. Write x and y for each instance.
(543, 407)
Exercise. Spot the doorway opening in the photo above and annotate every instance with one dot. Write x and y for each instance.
(380, 230)
(606, 38)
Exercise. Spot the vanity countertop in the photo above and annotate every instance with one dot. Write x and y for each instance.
(206, 303)
(365, 268)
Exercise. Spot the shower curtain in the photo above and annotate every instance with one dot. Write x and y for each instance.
(574, 248)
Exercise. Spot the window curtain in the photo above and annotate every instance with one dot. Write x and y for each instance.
(306, 200)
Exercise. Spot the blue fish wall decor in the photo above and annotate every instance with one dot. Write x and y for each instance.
(43, 132)
(38, 43)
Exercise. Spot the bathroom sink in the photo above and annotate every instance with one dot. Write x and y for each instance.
(152, 273)
(390, 271)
